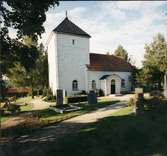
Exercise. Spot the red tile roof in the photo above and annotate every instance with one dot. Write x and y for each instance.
(102, 62)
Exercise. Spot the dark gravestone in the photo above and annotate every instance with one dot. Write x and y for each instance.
(59, 98)
(92, 98)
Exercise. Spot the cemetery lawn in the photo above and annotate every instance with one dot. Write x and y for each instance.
(121, 134)
(26, 99)
(45, 117)
(52, 117)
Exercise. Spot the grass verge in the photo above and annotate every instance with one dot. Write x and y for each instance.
(40, 118)
(122, 134)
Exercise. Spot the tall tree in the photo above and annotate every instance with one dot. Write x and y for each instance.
(156, 58)
(27, 18)
(121, 52)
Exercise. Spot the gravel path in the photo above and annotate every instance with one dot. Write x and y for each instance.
(71, 124)
(47, 135)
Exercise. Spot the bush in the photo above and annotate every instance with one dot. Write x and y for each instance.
(50, 97)
(76, 99)
(45, 91)
(83, 92)
(157, 94)
(131, 102)
(100, 92)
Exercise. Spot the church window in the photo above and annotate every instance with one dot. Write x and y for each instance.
(74, 85)
(93, 84)
(122, 83)
(73, 42)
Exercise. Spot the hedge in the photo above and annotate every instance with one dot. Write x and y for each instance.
(76, 99)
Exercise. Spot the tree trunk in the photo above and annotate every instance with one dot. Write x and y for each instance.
(165, 86)
(32, 91)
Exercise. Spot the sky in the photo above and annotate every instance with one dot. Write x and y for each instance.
(129, 23)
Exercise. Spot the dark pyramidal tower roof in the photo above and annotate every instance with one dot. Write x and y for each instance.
(68, 27)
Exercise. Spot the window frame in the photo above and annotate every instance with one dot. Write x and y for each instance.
(73, 41)
(74, 85)
(93, 84)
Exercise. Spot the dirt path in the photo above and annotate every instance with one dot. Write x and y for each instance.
(44, 137)
(39, 104)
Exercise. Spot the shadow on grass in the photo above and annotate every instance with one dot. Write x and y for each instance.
(124, 135)
(40, 118)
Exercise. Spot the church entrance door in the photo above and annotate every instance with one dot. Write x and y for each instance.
(112, 86)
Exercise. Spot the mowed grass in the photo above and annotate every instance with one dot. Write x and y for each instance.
(51, 116)
(46, 117)
(24, 99)
(122, 134)
(27, 107)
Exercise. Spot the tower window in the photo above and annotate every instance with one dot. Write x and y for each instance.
(73, 42)
(74, 85)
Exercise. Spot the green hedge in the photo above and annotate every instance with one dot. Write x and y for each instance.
(76, 99)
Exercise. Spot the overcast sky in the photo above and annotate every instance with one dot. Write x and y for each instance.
(131, 24)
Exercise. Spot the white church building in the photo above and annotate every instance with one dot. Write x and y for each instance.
(73, 68)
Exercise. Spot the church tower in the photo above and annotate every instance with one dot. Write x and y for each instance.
(68, 55)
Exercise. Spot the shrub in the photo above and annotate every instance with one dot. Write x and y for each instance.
(76, 99)
(131, 102)
(83, 92)
(157, 94)
(45, 91)
(50, 97)
(100, 92)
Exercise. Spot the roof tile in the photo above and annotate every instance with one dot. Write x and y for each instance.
(102, 62)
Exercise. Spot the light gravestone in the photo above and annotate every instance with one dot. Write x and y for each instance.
(165, 86)
(92, 98)
(139, 106)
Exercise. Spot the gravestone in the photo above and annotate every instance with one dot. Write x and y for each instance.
(92, 98)
(59, 98)
(139, 105)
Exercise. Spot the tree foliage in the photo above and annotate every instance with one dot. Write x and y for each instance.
(26, 16)
(121, 52)
(18, 59)
(155, 63)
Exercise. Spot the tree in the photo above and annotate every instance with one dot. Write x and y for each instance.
(31, 71)
(156, 59)
(121, 52)
(27, 18)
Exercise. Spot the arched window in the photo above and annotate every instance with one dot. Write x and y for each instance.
(93, 84)
(122, 83)
(74, 85)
